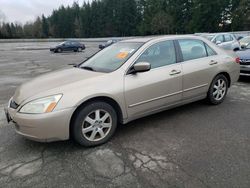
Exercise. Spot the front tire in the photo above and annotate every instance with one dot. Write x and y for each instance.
(59, 50)
(218, 90)
(94, 124)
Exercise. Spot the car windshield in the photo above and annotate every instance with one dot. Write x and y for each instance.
(62, 43)
(112, 57)
(109, 41)
(209, 37)
(245, 40)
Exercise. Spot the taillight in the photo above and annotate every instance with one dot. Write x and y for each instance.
(237, 60)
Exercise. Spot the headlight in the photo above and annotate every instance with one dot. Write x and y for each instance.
(39, 106)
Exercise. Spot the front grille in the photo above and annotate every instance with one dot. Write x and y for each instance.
(13, 104)
(245, 61)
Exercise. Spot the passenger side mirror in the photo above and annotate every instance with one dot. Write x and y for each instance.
(218, 42)
(140, 67)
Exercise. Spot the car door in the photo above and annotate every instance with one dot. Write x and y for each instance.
(228, 44)
(199, 66)
(72, 46)
(157, 88)
(67, 46)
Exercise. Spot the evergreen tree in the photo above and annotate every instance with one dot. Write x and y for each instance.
(107, 18)
(45, 27)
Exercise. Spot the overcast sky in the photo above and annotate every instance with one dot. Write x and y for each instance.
(27, 10)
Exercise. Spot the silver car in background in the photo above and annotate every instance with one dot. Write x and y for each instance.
(123, 82)
(225, 40)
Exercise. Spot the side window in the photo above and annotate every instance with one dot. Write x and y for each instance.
(67, 43)
(219, 38)
(210, 51)
(160, 54)
(192, 49)
(228, 38)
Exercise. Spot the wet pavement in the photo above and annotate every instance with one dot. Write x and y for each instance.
(195, 145)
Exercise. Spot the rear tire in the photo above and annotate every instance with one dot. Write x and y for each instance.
(94, 124)
(218, 90)
(79, 49)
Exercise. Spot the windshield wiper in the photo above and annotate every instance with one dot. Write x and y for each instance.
(74, 64)
(87, 68)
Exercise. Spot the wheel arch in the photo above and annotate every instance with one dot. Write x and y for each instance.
(236, 49)
(106, 99)
(227, 76)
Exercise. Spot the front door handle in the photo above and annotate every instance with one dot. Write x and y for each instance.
(212, 62)
(174, 72)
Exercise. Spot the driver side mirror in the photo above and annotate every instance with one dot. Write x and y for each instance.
(140, 67)
(218, 42)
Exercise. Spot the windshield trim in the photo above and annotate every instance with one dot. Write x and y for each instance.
(102, 70)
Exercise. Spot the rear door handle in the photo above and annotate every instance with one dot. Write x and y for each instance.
(174, 72)
(212, 62)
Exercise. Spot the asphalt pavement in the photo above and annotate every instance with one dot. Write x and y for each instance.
(196, 145)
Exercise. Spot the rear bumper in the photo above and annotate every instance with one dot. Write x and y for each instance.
(46, 127)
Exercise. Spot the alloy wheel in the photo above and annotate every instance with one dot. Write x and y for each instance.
(219, 89)
(96, 125)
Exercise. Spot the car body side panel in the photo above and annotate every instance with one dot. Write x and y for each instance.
(153, 89)
(197, 75)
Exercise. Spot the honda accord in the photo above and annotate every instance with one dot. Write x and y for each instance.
(123, 82)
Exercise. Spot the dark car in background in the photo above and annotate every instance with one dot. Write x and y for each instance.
(108, 43)
(68, 46)
(244, 56)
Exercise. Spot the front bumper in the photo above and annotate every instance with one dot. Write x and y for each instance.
(245, 70)
(48, 127)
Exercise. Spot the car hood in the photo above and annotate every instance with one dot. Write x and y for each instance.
(244, 54)
(50, 81)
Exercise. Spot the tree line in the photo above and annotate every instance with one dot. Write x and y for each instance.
(106, 18)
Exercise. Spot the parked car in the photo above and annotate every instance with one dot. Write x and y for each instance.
(108, 43)
(224, 40)
(244, 56)
(68, 46)
(239, 38)
(244, 41)
(126, 81)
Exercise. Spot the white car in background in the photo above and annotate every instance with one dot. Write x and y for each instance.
(225, 40)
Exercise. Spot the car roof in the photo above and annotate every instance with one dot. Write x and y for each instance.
(207, 34)
(149, 38)
(71, 41)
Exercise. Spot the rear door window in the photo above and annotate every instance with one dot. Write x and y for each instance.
(219, 38)
(228, 38)
(210, 51)
(192, 49)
